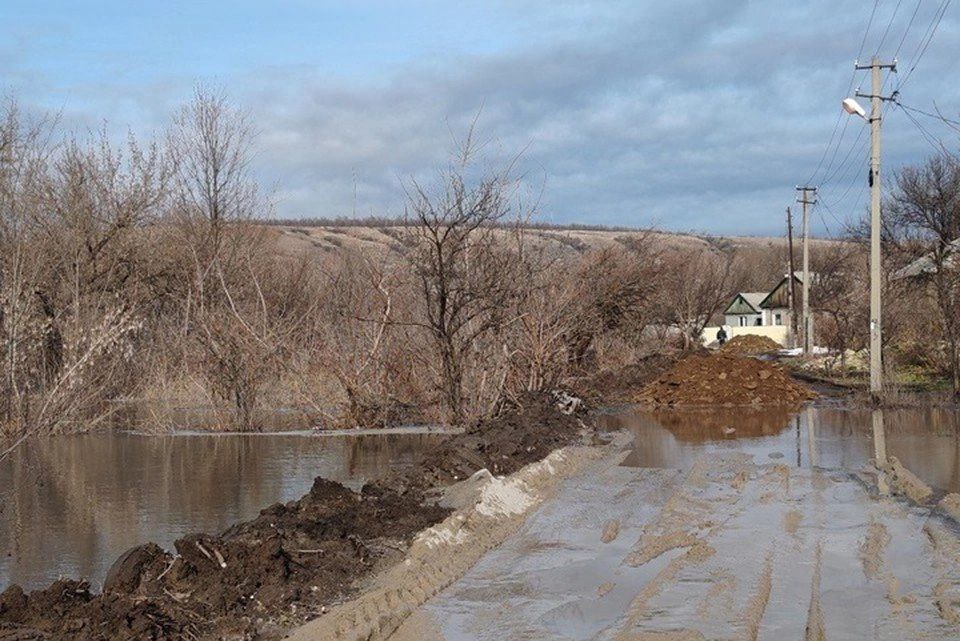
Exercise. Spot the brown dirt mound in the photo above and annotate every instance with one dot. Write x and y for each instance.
(524, 434)
(260, 577)
(304, 553)
(725, 381)
(750, 344)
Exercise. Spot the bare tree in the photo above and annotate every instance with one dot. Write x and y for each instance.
(923, 214)
(839, 297)
(67, 313)
(360, 335)
(463, 264)
(211, 143)
(699, 283)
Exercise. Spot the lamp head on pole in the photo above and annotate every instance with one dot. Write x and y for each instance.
(853, 107)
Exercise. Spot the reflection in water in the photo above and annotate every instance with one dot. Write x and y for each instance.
(69, 506)
(926, 440)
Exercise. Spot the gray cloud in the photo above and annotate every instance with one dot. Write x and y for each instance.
(690, 115)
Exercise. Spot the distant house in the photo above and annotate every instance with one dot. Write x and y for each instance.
(763, 309)
(927, 264)
(763, 313)
(744, 310)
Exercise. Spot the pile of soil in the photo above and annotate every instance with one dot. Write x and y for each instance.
(525, 433)
(621, 384)
(261, 577)
(725, 381)
(306, 552)
(750, 344)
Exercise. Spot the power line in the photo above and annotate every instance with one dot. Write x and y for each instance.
(932, 140)
(823, 220)
(846, 178)
(925, 41)
(846, 158)
(886, 31)
(903, 38)
(953, 123)
(836, 125)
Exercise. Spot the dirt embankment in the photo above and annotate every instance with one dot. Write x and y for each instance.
(261, 577)
(750, 344)
(620, 385)
(726, 381)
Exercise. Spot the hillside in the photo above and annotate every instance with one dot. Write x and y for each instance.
(333, 238)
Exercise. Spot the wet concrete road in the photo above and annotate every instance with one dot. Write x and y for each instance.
(733, 548)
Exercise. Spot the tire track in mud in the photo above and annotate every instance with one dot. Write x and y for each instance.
(753, 614)
(698, 509)
(744, 498)
(816, 627)
(946, 590)
(873, 547)
(735, 550)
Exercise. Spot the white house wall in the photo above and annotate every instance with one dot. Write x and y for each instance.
(779, 333)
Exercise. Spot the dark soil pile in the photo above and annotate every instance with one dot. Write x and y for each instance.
(260, 577)
(523, 434)
(750, 344)
(305, 553)
(722, 380)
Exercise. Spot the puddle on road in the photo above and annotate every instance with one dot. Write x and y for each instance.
(926, 440)
(70, 506)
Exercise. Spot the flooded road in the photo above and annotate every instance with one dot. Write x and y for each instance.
(927, 441)
(70, 506)
(692, 534)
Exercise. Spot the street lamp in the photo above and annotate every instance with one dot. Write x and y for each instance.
(853, 108)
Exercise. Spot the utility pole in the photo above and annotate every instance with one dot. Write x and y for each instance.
(805, 200)
(876, 361)
(792, 291)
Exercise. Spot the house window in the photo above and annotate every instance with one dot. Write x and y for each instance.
(743, 321)
(758, 321)
(779, 320)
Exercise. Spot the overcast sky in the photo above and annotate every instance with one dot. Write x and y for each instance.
(688, 115)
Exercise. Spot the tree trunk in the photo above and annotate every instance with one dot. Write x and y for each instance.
(452, 382)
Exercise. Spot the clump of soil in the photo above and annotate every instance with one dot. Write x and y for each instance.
(725, 381)
(260, 577)
(524, 434)
(906, 483)
(750, 344)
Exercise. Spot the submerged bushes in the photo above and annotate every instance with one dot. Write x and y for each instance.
(141, 273)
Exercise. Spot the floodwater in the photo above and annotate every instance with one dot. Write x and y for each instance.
(926, 440)
(70, 506)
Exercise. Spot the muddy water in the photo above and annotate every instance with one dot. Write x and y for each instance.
(70, 506)
(926, 440)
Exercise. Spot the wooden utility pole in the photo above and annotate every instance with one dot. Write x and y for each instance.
(804, 199)
(792, 290)
(876, 360)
